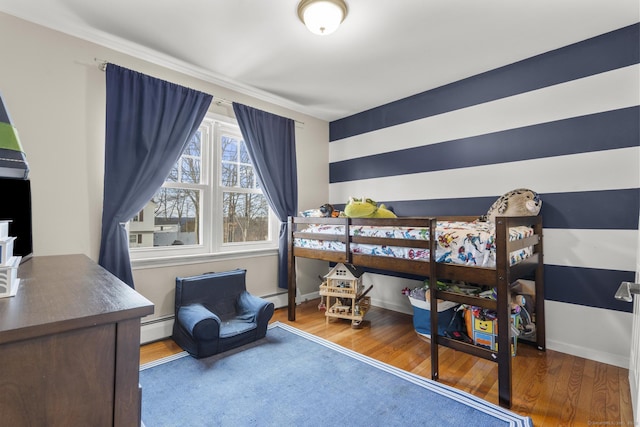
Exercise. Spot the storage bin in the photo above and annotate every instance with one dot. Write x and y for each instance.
(422, 317)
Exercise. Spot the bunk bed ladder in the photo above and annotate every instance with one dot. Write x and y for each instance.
(501, 279)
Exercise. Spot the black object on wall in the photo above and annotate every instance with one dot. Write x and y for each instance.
(15, 205)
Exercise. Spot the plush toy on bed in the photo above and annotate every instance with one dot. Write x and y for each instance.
(324, 211)
(366, 208)
(519, 202)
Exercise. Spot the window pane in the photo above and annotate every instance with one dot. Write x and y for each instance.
(246, 217)
(229, 176)
(190, 170)
(246, 177)
(175, 219)
(244, 154)
(173, 174)
(193, 147)
(229, 149)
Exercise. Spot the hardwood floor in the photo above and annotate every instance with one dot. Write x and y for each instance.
(554, 389)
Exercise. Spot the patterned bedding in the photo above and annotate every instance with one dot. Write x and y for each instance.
(463, 243)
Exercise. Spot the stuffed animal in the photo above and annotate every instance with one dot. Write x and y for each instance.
(366, 208)
(520, 202)
(324, 211)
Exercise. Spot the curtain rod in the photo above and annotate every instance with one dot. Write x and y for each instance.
(102, 66)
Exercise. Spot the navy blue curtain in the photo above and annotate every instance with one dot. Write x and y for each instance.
(148, 124)
(271, 144)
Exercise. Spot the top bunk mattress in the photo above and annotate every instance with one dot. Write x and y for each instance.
(462, 243)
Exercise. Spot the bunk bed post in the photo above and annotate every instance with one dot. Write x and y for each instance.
(540, 326)
(347, 241)
(291, 279)
(503, 312)
(433, 286)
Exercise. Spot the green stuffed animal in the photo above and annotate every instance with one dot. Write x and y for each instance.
(366, 208)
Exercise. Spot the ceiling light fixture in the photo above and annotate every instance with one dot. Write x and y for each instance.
(322, 17)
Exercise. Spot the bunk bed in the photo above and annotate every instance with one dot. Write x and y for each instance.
(341, 240)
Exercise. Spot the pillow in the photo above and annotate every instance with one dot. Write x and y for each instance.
(519, 202)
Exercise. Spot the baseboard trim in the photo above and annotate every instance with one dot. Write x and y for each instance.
(589, 353)
(307, 297)
(156, 329)
(279, 300)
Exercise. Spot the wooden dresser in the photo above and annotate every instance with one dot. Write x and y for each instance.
(70, 346)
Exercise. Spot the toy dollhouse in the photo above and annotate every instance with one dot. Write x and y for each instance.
(344, 295)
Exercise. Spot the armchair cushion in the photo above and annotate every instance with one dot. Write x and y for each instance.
(215, 313)
(236, 327)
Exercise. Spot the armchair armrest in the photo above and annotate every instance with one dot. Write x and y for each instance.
(257, 310)
(199, 322)
(250, 306)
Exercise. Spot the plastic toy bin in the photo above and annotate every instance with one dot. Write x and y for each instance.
(422, 316)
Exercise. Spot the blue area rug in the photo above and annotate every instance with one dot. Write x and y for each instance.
(292, 378)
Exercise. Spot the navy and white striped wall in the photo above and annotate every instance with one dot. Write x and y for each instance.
(565, 123)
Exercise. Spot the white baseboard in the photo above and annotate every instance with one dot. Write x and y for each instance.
(156, 329)
(389, 305)
(307, 297)
(162, 327)
(589, 353)
(279, 300)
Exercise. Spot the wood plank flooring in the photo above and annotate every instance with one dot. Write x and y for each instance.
(554, 389)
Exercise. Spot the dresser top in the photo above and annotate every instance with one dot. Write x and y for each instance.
(66, 292)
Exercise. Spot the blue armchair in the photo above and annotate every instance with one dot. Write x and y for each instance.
(215, 313)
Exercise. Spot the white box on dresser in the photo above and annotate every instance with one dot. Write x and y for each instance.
(4, 228)
(9, 281)
(6, 249)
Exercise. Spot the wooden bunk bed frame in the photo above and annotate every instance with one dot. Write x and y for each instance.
(499, 277)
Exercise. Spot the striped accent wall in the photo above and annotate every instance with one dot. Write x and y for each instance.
(565, 123)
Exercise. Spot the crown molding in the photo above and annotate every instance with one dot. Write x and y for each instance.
(158, 58)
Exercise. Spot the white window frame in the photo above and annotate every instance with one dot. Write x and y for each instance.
(211, 245)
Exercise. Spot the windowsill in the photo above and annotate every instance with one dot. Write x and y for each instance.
(169, 261)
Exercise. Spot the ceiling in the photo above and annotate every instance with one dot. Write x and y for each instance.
(385, 49)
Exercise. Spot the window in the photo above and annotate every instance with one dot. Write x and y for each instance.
(211, 201)
(139, 217)
(245, 209)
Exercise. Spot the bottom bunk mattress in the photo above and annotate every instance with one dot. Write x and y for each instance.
(462, 243)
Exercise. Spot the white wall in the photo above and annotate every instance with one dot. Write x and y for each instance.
(55, 95)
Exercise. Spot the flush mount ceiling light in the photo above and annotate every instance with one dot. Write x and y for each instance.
(322, 17)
